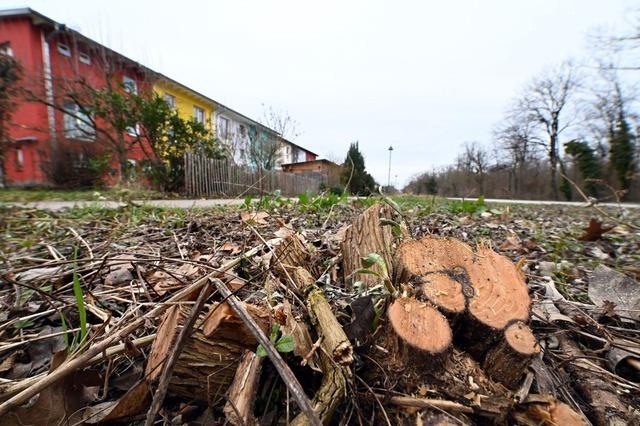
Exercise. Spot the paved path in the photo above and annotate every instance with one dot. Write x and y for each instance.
(550, 203)
(187, 204)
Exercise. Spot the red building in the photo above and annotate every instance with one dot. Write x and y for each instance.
(57, 62)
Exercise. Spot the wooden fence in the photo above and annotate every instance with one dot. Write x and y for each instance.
(209, 177)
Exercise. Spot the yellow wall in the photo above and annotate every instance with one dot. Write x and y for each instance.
(185, 101)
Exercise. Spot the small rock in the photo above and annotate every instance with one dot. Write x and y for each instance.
(547, 268)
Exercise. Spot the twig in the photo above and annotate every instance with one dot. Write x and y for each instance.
(283, 369)
(167, 370)
(83, 359)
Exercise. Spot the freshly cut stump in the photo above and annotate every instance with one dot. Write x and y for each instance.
(417, 330)
(454, 278)
(508, 359)
(444, 292)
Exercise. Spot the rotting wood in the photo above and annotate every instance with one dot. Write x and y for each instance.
(208, 361)
(605, 407)
(366, 235)
(283, 369)
(243, 389)
(337, 352)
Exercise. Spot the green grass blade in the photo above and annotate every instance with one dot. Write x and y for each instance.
(82, 313)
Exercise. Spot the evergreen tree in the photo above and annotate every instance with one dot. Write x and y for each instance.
(621, 152)
(354, 173)
(587, 164)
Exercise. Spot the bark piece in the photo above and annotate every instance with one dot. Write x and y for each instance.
(206, 366)
(508, 359)
(239, 407)
(545, 410)
(366, 235)
(605, 406)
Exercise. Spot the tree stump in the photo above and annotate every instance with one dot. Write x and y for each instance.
(208, 362)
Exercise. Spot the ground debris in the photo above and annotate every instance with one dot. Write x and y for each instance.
(413, 316)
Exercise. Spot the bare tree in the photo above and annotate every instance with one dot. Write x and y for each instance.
(475, 161)
(517, 137)
(545, 102)
(281, 122)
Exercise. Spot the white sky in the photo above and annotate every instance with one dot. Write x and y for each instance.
(423, 76)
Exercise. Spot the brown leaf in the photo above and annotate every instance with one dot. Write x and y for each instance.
(254, 217)
(594, 231)
(131, 403)
(232, 248)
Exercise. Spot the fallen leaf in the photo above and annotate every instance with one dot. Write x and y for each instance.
(607, 285)
(254, 217)
(362, 316)
(594, 231)
(230, 247)
(131, 403)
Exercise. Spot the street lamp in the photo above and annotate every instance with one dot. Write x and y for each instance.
(389, 175)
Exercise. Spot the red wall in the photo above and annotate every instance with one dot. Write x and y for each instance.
(30, 120)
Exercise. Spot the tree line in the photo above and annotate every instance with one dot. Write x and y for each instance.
(570, 132)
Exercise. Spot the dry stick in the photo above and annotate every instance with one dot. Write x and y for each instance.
(167, 370)
(283, 369)
(79, 362)
(443, 404)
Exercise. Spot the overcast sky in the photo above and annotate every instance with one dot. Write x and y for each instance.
(423, 76)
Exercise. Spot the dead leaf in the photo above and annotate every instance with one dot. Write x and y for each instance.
(254, 217)
(594, 231)
(607, 285)
(230, 247)
(131, 403)
(512, 242)
(362, 315)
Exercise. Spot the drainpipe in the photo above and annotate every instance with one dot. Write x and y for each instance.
(48, 88)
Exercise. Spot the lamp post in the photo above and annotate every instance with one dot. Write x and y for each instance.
(389, 175)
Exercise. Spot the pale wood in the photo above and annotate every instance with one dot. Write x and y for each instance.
(243, 389)
(367, 235)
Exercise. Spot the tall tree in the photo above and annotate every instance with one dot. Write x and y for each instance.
(545, 102)
(10, 74)
(474, 160)
(622, 153)
(354, 175)
(587, 163)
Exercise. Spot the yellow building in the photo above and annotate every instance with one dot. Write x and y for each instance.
(188, 102)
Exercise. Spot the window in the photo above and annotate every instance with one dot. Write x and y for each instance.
(19, 158)
(170, 100)
(64, 49)
(84, 58)
(242, 130)
(133, 130)
(198, 114)
(223, 127)
(5, 49)
(77, 122)
(130, 85)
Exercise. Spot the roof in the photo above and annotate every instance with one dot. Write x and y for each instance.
(322, 160)
(301, 147)
(40, 19)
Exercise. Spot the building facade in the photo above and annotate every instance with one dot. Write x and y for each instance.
(50, 121)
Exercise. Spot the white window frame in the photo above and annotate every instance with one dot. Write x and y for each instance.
(19, 158)
(223, 128)
(84, 58)
(133, 131)
(74, 126)
(130, 85)
(64, 49)
(170, 100)
(5, 49)
(197, 111)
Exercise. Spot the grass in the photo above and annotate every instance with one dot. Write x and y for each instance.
(112, 194)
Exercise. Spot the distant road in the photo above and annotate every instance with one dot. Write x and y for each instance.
(550, 203)
(188, 204)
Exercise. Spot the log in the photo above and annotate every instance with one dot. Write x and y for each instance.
(508, 359)
(207, 364)
(239, 407)
(367, 234)
(444, 292)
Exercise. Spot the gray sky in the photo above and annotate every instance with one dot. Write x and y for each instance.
(423, 76)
